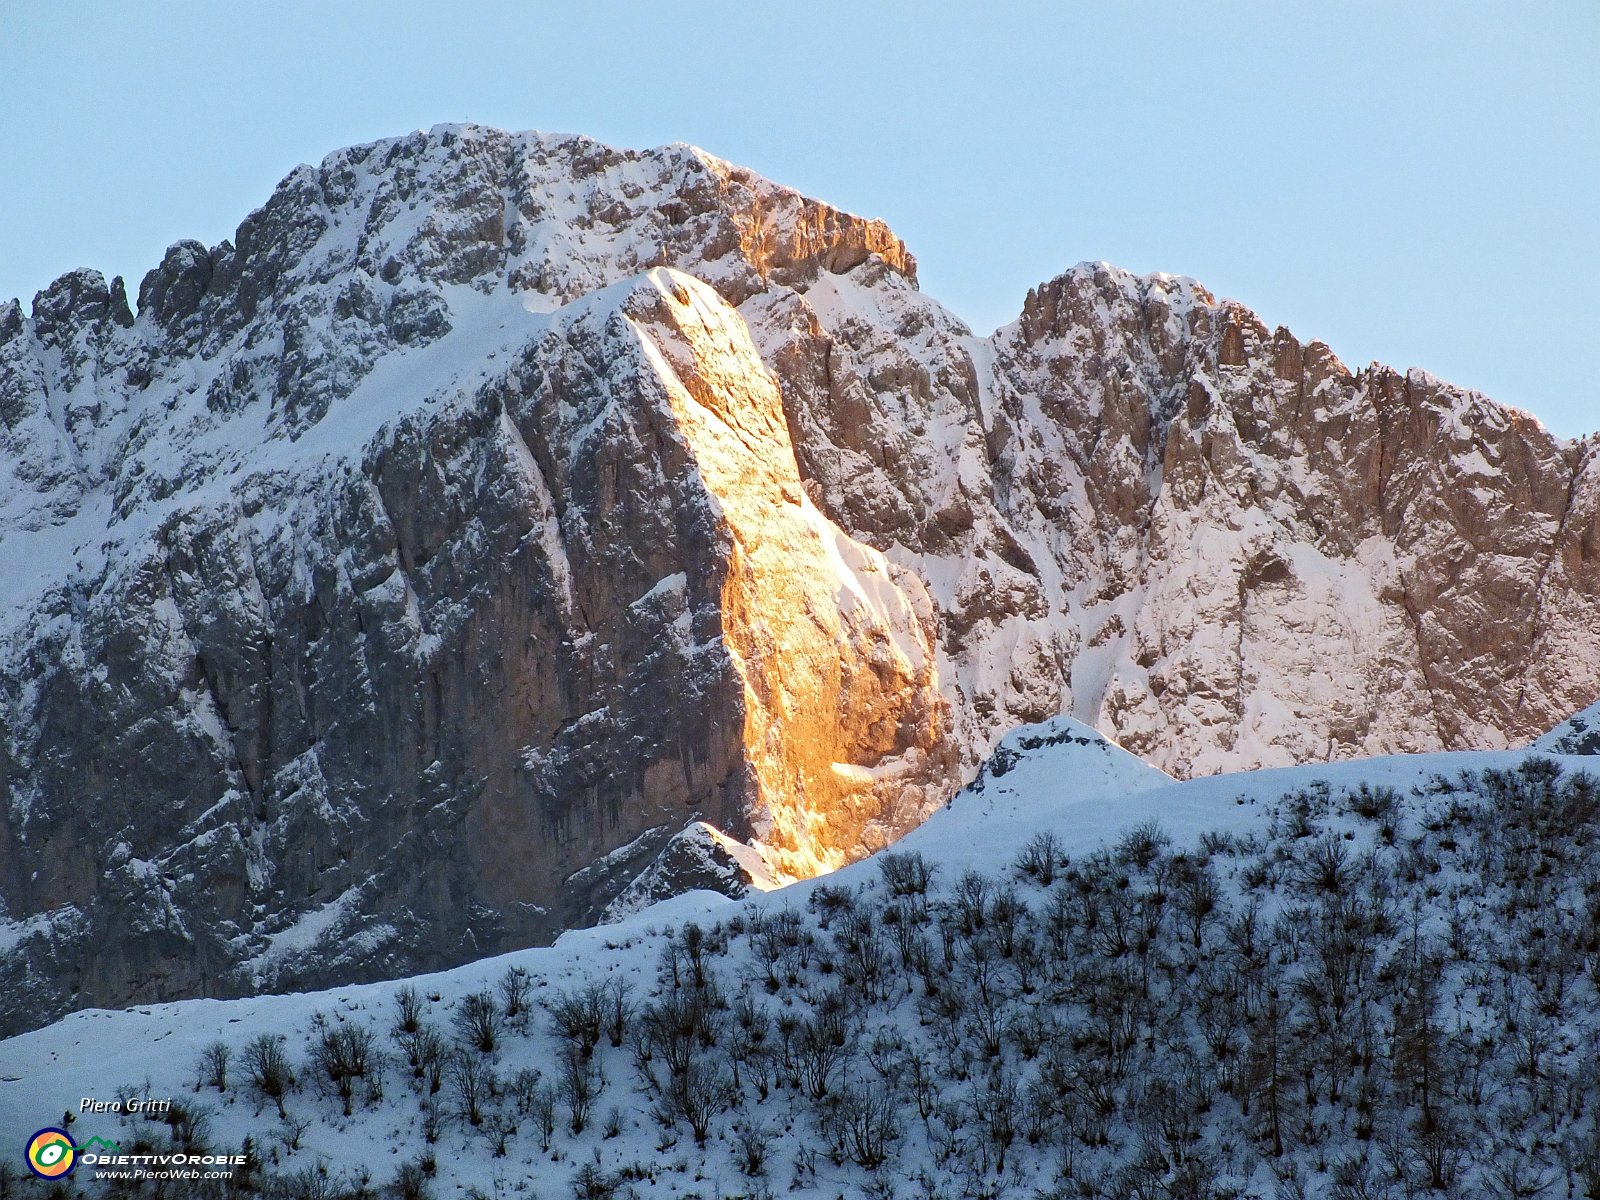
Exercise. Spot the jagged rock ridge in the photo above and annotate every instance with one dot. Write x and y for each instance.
(404, 578)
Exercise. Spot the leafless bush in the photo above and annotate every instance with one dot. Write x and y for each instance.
(821, 1044)
(1041, 857)
(580, 1016)
(410, 1183)
(408, 1010)
(343, 1053)
(696, 1097)
(863, 1123)
(515, 987)
(214, 1061)
(970, 902)
(751, 1143)
(905, 874)
(578, 1087)
(425, 1053)
(1141, 844)
(267, 1063)
(478, 1021)
(620, 1011)
(542, 1110)
(470, 1078)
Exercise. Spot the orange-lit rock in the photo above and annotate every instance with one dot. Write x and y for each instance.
(843, 718)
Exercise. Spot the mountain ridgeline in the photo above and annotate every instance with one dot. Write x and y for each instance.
(417, 571)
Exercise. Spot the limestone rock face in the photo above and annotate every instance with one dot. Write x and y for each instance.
(1300, 562)
(502, 530)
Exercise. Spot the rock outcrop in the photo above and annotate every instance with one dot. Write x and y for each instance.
(503, 527)
(1578, 734)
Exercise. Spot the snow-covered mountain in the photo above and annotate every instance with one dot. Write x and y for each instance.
(1578, 734)
(501, 522)
(1080, 978)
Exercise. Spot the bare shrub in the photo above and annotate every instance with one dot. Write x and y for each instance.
(905, 874)
(478, 1021)
(470, 1078)
(214, 1061)
(1041, 857)
(267, 1063)
(408, 1010)
(515, 987)
(580, 1016)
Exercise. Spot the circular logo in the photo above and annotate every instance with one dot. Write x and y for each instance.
(51, 1154)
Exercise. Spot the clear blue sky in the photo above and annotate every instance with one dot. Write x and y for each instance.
(1413, 182)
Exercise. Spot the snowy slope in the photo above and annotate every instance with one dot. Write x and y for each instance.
(1058, 779)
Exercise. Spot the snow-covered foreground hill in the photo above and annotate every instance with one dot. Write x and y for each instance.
(1079, 978)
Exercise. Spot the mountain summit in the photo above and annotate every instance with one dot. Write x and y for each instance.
(418, 570)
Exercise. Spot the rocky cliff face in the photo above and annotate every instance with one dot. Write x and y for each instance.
(441, 559)
(1326, 563)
